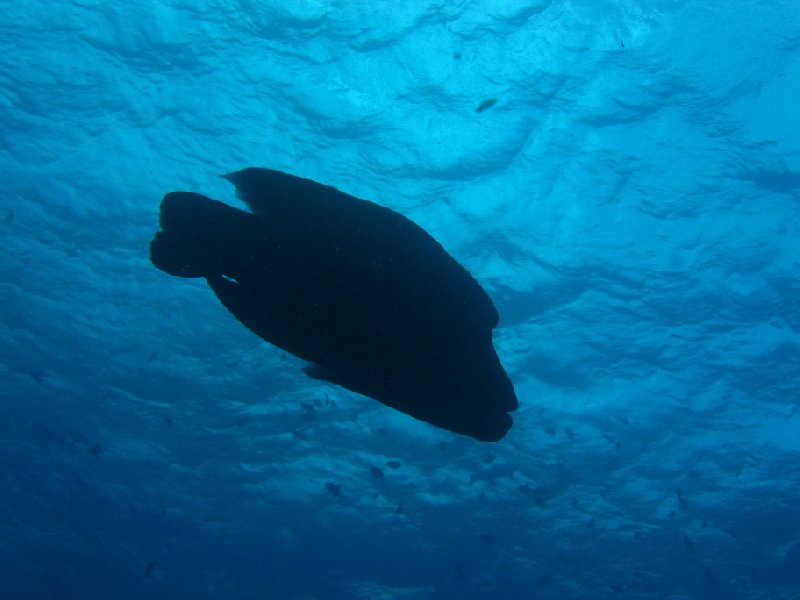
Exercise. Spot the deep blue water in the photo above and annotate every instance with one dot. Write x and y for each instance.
(631, 202)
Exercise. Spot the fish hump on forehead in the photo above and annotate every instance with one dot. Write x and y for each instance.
(312, 208)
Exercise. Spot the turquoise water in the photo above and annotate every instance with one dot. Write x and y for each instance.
(622, 177)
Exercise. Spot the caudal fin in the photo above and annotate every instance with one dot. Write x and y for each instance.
(187, 223)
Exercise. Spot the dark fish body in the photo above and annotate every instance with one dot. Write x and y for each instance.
(366, 296)
(488, 103)
(334, 489)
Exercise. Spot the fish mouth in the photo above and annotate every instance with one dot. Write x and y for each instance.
(484, 426)
(492, 428)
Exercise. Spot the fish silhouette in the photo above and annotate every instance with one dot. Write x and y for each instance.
(371, 301)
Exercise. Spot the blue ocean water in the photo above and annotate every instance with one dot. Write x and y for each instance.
(631, 201)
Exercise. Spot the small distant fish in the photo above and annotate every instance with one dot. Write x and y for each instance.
(732, 532)
(570, 434)
(617, 588)
(488, 103)
(621, 43)
(494, 471)
(400, 510)
(487, 538)
(148, 568)
(334, 489)
(688, 543)
(393, 464)
(168, 422)
(96, 450)
(299, 435)
(541, 495)
(568, 560)
(307, 406)
(548, 429)
(377, 472)
(682, 502)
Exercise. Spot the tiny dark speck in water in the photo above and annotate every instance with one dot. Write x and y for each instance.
(488, 103)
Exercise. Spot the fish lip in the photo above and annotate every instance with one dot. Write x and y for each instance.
(490, 426)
